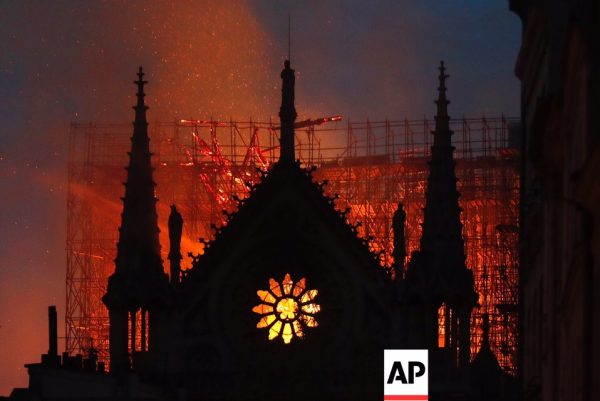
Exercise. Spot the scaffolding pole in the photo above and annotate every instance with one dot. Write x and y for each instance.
(202, 166)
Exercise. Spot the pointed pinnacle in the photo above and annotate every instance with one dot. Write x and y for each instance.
(442, 101)
(140, 83)
(442, 77)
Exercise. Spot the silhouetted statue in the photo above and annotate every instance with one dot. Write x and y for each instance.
(175, 230)
(399, 254)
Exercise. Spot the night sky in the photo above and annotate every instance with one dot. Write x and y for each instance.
(63, 61)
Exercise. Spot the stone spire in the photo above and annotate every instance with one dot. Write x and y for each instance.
(139, 286)
(138, 249)
(287, 114)
(437, 276)
(442, 229)
(442, 120)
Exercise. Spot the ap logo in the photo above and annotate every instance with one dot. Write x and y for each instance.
(405, 375)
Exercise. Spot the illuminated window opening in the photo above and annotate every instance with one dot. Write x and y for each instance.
(287, 309)
(444, 318)
(138, 329)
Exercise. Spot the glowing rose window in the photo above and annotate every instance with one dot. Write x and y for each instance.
(287, 309)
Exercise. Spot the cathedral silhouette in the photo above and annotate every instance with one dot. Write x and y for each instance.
(287, 302)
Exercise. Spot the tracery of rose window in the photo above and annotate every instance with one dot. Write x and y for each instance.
(287, 309)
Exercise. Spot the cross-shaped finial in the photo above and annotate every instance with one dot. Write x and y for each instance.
(443, 75)
(140, 82)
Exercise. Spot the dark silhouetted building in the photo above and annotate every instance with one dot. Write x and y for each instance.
(287, 302)
(559, 68)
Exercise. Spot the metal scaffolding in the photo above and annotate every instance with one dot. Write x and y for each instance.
(202, 166)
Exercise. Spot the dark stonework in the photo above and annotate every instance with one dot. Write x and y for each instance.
(437, 273)
(204, 338)
(559, 279)
(139, 284)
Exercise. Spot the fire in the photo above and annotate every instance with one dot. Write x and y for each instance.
(205, 169)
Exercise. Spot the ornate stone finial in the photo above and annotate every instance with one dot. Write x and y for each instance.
(442, 77)
(140, 83)
(140, 108)
(287, 114)
(442, 119)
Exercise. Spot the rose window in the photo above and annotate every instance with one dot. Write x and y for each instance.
(287, 309)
